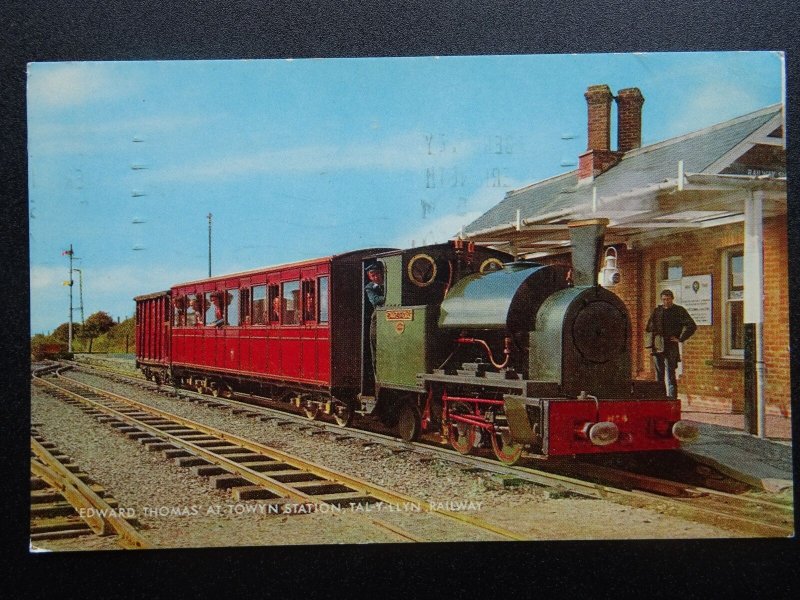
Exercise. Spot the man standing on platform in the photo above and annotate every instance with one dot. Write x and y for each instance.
(669, 325)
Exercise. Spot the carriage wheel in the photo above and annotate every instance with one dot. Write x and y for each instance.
(343, 414)
(506, 451)
(461, 435)
(311, 410)
(226, 392)
(409, 422)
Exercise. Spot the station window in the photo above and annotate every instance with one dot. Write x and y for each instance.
(194, 310)
(290, 309)
(232, 308)
(309, 301)
(258, 307)
(668, 277)
(245, 305)
(275, 304)
(322, 303)
(733, 303)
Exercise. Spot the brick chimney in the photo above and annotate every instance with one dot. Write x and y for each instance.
(629, 126)
(598, 100)
(598, 157)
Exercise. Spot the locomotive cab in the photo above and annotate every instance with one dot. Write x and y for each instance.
(407, 339)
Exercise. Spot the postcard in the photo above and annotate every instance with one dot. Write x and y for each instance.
(389, 300)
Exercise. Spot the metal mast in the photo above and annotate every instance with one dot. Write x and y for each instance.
(69, 321)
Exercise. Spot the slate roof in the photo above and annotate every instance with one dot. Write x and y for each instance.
(638, 168)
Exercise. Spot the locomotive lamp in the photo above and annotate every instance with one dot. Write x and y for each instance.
(609, 275)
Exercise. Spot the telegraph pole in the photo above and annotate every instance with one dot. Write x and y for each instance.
(209, 244)
(69, 283)
(80, 296)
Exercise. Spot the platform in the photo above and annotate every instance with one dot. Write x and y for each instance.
(764, 463)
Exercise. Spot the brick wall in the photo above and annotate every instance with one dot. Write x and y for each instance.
(708, 382)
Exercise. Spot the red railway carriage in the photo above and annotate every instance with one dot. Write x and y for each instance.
(284, 329)
(153, 334)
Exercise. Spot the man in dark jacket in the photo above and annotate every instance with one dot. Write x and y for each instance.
(376, 296)
(669, 325)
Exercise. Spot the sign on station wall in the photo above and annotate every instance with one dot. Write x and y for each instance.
(696, 297)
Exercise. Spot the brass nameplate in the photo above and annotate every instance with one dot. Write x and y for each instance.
(400, 315)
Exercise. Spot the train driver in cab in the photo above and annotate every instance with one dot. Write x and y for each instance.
(374, 288)
(376, 296)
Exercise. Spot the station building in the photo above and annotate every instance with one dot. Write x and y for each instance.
(704, 215)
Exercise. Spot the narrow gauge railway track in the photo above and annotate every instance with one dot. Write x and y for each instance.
(756, 516)
(66, 503)
(250, 470)
(575, 485)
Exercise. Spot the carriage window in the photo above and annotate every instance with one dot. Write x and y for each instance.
(309, 301)
(246, 306)
(194, 310)
(259, 305)
(322, 315)
(290, 309)
(232, 308)
(215, 309)
(275, 304)
(179, 311)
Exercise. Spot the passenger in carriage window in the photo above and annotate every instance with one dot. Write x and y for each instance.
(309, 310)
(274, 316)
(179, 311)
(194, 311)
(277, 309)
(216, 310)
(309, 304)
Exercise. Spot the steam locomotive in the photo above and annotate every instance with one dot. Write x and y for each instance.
(468, 344)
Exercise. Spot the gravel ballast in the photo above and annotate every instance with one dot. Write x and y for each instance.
(179, 509)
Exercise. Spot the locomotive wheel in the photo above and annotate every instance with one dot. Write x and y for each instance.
(343, 414)
(506, 451)
(409, 422)
(461, 435)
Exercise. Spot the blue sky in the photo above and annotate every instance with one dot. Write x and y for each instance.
(303, 158)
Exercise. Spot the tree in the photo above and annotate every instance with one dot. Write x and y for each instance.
(97, 324)
(61, 333)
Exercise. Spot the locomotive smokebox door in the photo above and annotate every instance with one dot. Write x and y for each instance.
(581, 342)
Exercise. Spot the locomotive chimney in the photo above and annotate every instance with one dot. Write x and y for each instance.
(587, 247)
